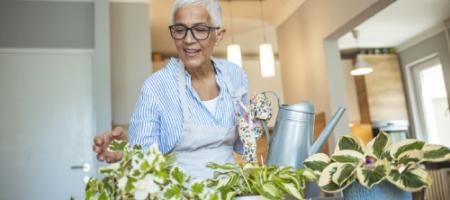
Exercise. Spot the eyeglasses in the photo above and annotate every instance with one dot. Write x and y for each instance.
(199, 31)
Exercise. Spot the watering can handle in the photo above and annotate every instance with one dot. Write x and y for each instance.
(266, 128)
(274, 94)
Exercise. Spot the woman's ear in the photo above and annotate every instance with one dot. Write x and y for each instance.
(220, 33)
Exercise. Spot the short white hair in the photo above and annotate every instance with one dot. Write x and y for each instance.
(212, 6)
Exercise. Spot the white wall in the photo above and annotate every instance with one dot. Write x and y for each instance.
(130, 56)
(352, 97)
(310, 61)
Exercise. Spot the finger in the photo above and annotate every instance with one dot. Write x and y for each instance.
(100, 157)
(98, 140)
(98, 149)
(113, 156)
(117, 132)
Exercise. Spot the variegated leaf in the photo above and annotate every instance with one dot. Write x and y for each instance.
(405, 145)
(349, 143)
(348, 156)
(325, 180)
(309, 175)
(117, 145)
(317, 162)
(435, 153)
(292, 190)
(371, 175)
(343, 173)
(379, 145)
(271, 191)
(410, 180)
(410, 157)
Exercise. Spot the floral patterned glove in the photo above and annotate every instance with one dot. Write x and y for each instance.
(251, 124)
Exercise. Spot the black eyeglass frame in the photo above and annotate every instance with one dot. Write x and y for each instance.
(190, 29)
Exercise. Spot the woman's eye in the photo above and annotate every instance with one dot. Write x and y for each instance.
(179, 30)
(201, 29)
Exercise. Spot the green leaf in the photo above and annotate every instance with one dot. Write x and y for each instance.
(198, 188)
(172, 191)
(348, 156)
(412, 156)
(343, 173)
(317, 162)
(226, 166)
(379, 144)
(436, 153)
(178, 175)
(405, 145)
(103, 196)
(214, 196)
(410, 180)
(229, 195)
(271, 191)
(130, 184)
(89, 195)
(325, 180)
(369, 176)
(292, 190)
(349, 143)
(117, 145)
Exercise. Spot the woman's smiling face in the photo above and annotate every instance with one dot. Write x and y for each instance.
(194, 52)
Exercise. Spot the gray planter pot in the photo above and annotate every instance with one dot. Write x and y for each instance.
(383, 191)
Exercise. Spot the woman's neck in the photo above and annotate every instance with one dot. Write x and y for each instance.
(202, 72)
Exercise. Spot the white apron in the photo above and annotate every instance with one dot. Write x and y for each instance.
(200, 144)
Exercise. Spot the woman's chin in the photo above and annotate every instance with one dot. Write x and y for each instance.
(192, 63)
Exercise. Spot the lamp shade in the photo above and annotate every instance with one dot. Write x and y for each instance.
(234, 54)
(267, 60)
(361, 67)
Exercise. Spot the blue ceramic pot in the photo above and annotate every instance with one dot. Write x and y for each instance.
(381, 191)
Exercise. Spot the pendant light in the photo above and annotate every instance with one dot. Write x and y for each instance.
(266, 57)
(233, 50)
(361, 67)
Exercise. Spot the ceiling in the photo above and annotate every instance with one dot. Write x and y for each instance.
(398, 23)
(247, 23)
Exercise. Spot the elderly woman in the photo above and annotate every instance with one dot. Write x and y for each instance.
(189, 107)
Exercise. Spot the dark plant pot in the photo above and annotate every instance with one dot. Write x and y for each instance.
(382, 191)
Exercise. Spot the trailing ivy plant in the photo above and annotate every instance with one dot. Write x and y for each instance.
(380, 160)
(271, 182)
(145, 175)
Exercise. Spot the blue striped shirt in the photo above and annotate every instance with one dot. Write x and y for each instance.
(158, 116)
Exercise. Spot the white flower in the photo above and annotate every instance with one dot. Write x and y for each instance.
(122, 183)
(145, 187)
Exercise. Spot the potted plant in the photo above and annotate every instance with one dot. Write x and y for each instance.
(255, 181)
(145, 175)
(376, 171)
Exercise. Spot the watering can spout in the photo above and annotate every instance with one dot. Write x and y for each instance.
(315, 148)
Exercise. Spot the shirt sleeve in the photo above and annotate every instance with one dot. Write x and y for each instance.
(145, 121)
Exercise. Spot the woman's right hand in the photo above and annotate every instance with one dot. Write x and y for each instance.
(102, 141)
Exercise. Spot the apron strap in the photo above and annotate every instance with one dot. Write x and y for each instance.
(182, 90)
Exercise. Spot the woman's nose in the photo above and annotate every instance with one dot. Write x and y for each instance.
(189, 37)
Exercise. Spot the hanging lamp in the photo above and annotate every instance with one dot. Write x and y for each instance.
(266, 57)
(361, 67)
(233, 49)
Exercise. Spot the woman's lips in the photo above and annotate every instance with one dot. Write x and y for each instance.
(191, 52)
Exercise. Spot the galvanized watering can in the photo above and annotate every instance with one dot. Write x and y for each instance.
(291, 141)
